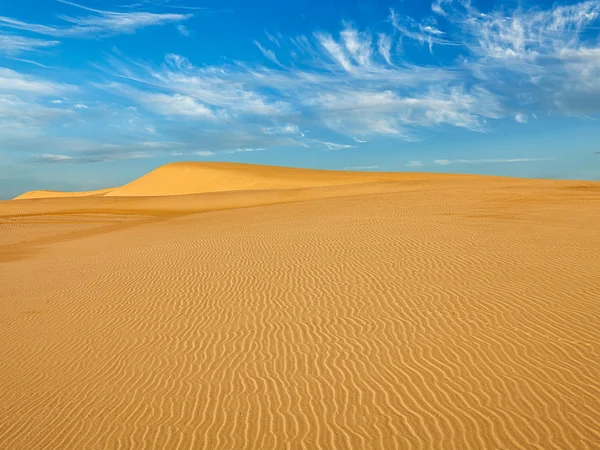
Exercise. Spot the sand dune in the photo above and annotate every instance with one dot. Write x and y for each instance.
(363, 311)
(195, 178)
(58, 194)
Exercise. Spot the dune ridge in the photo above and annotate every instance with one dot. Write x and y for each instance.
(422, 312)
(184, 178)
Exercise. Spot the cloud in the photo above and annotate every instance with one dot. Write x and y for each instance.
(285, 129)
(183, 30)
(521, 118)
(415, 164)
(423, 33)
(98, 23)
(12, 45)
(12, 81)
(360, 141)
(350, 84)
(171, 105)
(334, 146)
(360, 168)
(269, 54)
(242, 150)
(213, 86)
(228, 152)
(447, 162)
(47, 157)
(24, 118)
(175, 105)
(91, 158)
(160, 144)
(542, 59)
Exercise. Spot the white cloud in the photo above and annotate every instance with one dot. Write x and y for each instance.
(269, 54)
(171, 105)
(447, 162)
(98, 23)
(334, 146)
(360, 141)
(13, 45)
(422, 33)
(285, 129)
(30, 112)
(12, 81)
(242, 150)
(81, 106)
(361, 168)
(183, 30)
(213, 86)
(414, 164)
(521, 118)
(55, 158)
(205, 153)
(91, 157)
(547, 55)
(161, 144)
(384, 46)
(335, 51)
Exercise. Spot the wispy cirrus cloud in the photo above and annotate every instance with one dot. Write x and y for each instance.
(232, 151)
(447, 162)
(13, 81)
(336, 146)
(547, 57)
(90, 158)
(12, 45)
(96, 23)
(360, 168)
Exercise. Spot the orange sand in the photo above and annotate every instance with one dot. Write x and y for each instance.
(228, 306)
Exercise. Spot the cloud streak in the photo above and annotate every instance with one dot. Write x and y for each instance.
(12, 45)
(447, 162)
(98, 23)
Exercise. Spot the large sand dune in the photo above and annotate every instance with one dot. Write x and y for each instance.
(195, 178)
(240, 307)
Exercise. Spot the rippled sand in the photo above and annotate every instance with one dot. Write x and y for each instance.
(339, 310)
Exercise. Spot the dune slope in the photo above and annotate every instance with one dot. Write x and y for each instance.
(192, 178)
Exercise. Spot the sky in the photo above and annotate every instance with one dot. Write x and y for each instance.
(95, 93)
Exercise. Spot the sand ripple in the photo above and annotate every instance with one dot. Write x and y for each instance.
(444, 316)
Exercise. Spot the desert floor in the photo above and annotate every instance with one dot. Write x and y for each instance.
(315, 311)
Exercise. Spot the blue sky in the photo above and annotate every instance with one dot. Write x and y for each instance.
(95, 93)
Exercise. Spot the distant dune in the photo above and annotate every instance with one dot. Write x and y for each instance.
(57, 194)
(196, 177)
(230, 306)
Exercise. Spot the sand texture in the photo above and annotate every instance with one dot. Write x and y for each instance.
(223, 306)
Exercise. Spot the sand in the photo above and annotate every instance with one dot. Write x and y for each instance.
(210, 306)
